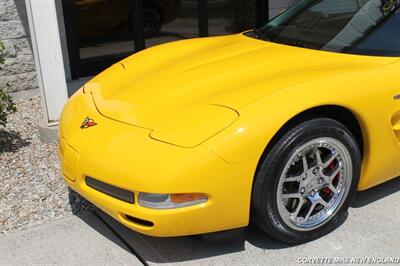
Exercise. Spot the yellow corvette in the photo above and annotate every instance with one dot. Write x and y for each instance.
(279, 126)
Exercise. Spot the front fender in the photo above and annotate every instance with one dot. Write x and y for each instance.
(363, 93)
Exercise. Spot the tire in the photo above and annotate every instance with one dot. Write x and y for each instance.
(282, 207)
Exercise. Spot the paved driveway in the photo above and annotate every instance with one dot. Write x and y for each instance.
(371, 230)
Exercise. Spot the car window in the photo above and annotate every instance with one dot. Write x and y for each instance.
(337, 25)
(385, 40)
(331, 7)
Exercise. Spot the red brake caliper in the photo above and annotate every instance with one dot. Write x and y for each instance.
(326, 190)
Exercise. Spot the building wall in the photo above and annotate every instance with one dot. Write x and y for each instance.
(18, 72)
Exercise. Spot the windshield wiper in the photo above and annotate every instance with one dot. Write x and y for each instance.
(258, 33)
(297, 43)
(261, 35)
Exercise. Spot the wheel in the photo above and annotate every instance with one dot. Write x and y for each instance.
(152, 21)
(306, 181)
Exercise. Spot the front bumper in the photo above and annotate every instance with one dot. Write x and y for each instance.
(126, 157)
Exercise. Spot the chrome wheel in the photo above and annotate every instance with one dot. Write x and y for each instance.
(314, 184)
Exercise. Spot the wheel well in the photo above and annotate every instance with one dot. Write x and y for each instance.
(335, 112)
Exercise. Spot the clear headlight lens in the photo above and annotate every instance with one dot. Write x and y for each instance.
(171, 201)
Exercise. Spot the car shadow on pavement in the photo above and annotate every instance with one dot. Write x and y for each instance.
(379, 192)
(189, 248)
(86, 211)
(94, 222)
(184, 249)
(211, 246)
(11, 141)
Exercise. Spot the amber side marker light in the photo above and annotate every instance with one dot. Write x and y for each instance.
(171, 201)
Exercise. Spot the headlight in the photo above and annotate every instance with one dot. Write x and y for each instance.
(171, 201)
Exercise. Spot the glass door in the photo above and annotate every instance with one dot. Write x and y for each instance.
(170, 20)
(230, 16)
(104, 27)
(102, 32)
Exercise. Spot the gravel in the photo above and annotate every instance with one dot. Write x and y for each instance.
(31, 187)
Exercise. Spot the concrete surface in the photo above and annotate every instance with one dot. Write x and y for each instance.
(83, 240)
(371, 230)
(47, 133)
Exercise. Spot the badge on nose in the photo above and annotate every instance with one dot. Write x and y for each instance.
(88, 122)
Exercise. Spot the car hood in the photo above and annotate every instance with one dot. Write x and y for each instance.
(199, 85)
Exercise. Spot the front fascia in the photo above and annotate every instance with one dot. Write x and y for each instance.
(126, 157)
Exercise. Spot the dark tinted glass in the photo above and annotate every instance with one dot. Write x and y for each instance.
(385, 40)
(170, 20)
(103, 27)
(227, 16)
(358, 26)
(173, 20)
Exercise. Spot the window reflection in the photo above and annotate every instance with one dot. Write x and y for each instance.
(158, 13)
(178, 20)
(230, 16)
(224, 17)
(103, 31)
(338, 25)
(242, 15)
(103, 27)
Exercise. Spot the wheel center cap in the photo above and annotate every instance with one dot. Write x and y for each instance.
(311, 182)
(311, 185)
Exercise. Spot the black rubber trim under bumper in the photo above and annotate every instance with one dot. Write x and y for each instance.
(115, 192)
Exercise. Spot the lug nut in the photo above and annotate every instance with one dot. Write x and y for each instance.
(320, 181)
(302, 190)
(313, 193)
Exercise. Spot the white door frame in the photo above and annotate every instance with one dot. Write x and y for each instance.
(46, 45)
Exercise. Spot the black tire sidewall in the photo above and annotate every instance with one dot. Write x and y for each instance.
(264, 203)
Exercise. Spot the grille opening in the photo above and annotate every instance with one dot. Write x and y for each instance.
(115, 192)
(139, 221)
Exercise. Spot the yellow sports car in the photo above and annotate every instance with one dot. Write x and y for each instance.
(279, 126)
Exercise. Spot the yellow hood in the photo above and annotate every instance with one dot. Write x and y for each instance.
(195, 86)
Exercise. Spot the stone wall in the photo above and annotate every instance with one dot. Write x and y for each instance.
(18, 72)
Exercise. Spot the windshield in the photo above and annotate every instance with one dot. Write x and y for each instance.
(369, 27)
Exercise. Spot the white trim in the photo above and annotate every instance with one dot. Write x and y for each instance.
(46, 46)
